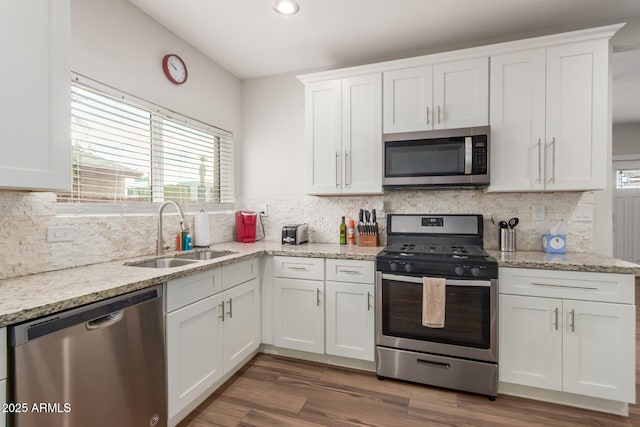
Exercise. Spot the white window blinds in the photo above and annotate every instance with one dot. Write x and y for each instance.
(131, 153)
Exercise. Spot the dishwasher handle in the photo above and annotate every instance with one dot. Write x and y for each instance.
(105, 321)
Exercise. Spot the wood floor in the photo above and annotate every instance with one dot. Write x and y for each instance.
(277, 391)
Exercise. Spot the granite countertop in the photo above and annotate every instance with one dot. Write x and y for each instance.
(573, 261)
(27, 297)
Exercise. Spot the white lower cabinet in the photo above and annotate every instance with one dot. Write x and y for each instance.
(241, 323)
(299, 314)
(209, 332)
(549, 340)
(335, 317)
(194, 351)
(350, 320)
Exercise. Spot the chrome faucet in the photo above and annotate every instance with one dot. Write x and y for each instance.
(160, 243)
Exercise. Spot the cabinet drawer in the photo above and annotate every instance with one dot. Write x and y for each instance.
(349, 270)
(3, 353)
(187, 290)
(298, 268)
(240, 272)
(578, 285)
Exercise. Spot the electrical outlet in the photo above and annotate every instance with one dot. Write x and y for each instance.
(264, 209)
(60, 233)
(538, 213)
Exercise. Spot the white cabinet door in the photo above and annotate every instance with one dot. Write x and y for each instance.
(517, 121)
(362, 134)
(35, 110)
(577, 116)
(408, 100)
(599, 350)
(241, 323)
(3, 400)
(531, 341)
(299, 314)
(461, 93)
(323, 137)
(350, 320)
(194, 351)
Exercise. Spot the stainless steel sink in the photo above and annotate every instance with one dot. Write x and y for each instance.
(180, 260)
(204, 255)
(164, 263)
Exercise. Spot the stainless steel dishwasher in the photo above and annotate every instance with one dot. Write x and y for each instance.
(98, 365)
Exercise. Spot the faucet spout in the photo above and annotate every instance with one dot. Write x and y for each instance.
(160, 243)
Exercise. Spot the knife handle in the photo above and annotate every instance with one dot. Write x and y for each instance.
(373, 215)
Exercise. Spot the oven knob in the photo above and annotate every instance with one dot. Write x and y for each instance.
(393, 266)
(475, 271)
(459, 270)
(408, 267)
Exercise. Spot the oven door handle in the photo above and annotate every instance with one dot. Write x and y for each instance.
(449, 282)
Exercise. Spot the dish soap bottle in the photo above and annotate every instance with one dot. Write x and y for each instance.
(343, 232)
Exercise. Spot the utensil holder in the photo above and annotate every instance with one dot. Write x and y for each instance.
(508, 239)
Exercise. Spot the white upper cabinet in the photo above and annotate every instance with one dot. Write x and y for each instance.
(408, 99)
(35, 112)
(461, 93)
(344, 136)
(549, 118)
(441, 96)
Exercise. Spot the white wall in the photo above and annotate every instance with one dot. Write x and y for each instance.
(273, 129)
(626, 138)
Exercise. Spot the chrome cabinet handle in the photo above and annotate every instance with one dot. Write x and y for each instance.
(347, 169)
(572, 322)
(438, 114)
(427, 115)
(555, 322)
(318, 297)
(539, 144)
(298, 268)
(230, 312)
(368, 301)
(349, 271)
(552, 144)
(222, 306)
(589, 288)
(337, 168)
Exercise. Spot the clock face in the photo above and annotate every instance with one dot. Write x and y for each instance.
(174, 68)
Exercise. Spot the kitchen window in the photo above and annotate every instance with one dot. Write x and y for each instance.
(129, 155)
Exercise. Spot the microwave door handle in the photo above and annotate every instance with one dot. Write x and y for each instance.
(468, 155)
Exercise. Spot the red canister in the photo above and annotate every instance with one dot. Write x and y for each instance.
(246, 226)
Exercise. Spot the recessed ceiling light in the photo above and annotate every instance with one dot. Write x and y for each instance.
(286, 7)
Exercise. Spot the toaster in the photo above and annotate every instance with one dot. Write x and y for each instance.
(295, 234)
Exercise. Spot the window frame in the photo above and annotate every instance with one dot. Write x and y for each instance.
(157, 112)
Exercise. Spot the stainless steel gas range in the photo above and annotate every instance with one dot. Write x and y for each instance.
(463, 354)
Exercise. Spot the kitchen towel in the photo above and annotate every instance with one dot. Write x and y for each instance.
(433, 301)
(202, 237)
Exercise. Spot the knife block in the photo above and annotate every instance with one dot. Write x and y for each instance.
(368, 240)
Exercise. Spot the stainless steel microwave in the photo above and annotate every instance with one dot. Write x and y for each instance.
(451, 157)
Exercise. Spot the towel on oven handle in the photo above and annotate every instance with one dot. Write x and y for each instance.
(433, 301)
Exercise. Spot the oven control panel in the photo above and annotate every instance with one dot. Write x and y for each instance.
(421, 268)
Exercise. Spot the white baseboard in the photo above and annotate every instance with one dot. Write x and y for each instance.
(569, 399)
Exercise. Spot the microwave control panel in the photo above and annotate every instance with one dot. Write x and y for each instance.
(479, 153)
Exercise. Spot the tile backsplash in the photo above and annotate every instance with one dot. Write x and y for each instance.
(323, 213)
(25, 216)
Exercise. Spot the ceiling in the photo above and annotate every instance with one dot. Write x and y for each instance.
(250, 40)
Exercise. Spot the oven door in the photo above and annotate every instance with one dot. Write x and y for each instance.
(470, 329)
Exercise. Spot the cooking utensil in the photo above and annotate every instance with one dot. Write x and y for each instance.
(513, 222)
(503, 224)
